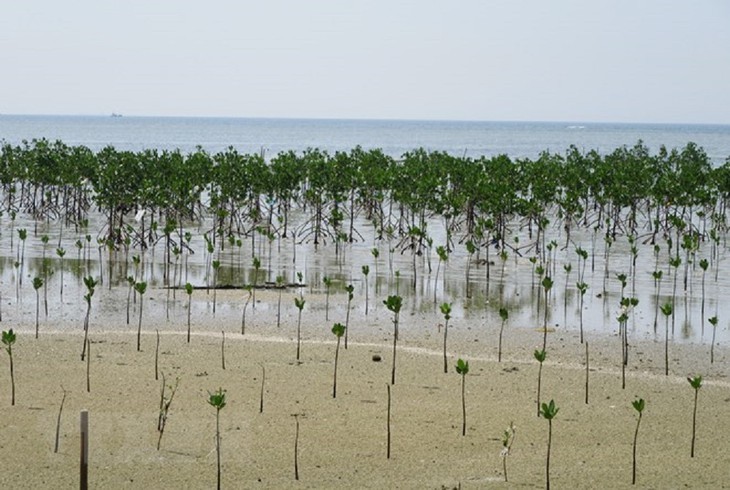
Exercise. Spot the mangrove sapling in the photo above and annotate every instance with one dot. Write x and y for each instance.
(350, 294)
(639, 407)
(547, 284)
(508, 438)
(446, 311)
(504, 315)
(141, 288)
(165, 403)
(61, 253)
(216, 268)
(217, 400)
(339, 330)
(189, 292)
(443, 255)
(539, 357)
(45, 265)
(696, 383)
(365, 272)
(299, 302)
(462, 368)
(8, 339)
(549, 411)
(256, 267)
(58, 421)
(90, 284)
(667, 310)
(37, 284)
(249, 289)
(327, 283)
(280, 287)
(713, 322)
(657, 275)
(130, 288)
(582, 288)
(674, 262)
(567, 268)
(394, 304)
(704, 264)
(22, 234)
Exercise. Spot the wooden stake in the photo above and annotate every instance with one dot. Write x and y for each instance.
(84, 467)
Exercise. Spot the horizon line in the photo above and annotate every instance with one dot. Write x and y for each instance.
(372, 119)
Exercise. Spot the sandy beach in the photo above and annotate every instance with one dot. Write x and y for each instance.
(342, 440)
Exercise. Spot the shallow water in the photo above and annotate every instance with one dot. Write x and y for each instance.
(512, 283)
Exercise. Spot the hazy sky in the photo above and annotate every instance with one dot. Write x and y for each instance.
(537, 60)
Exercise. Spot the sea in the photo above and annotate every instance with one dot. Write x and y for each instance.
(394, 137)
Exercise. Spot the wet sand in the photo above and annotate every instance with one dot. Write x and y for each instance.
(343, 440)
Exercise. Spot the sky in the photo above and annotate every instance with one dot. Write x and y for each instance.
(654, 61)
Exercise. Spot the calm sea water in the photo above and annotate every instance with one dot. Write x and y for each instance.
(517, 139)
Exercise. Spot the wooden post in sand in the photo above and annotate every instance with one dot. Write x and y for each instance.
(84, 467)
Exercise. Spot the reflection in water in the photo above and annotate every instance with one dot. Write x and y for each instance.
(512, 283)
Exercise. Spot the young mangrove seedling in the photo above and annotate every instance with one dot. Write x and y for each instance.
(8, 339)
(249, 289)
(189, 292)
(90, 284)
(339, 330)
(37, 284)
(667, 310)
(394, 304)
(696, 383)
(140, 287)
(280, 287)
(547, 284)
(713, 322)
(508, 438)
(299, 302)
(327, 284)
(548, 412)
(256, 267)
(216, 267)
(365, 272)
(540, 357)
(582, 288)
(61, 252)
(462, 368)
(446, 311)
(217, 400)
(639, 407)
(350, 294)
(504, 315)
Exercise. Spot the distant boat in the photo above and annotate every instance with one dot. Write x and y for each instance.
(114, 114)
